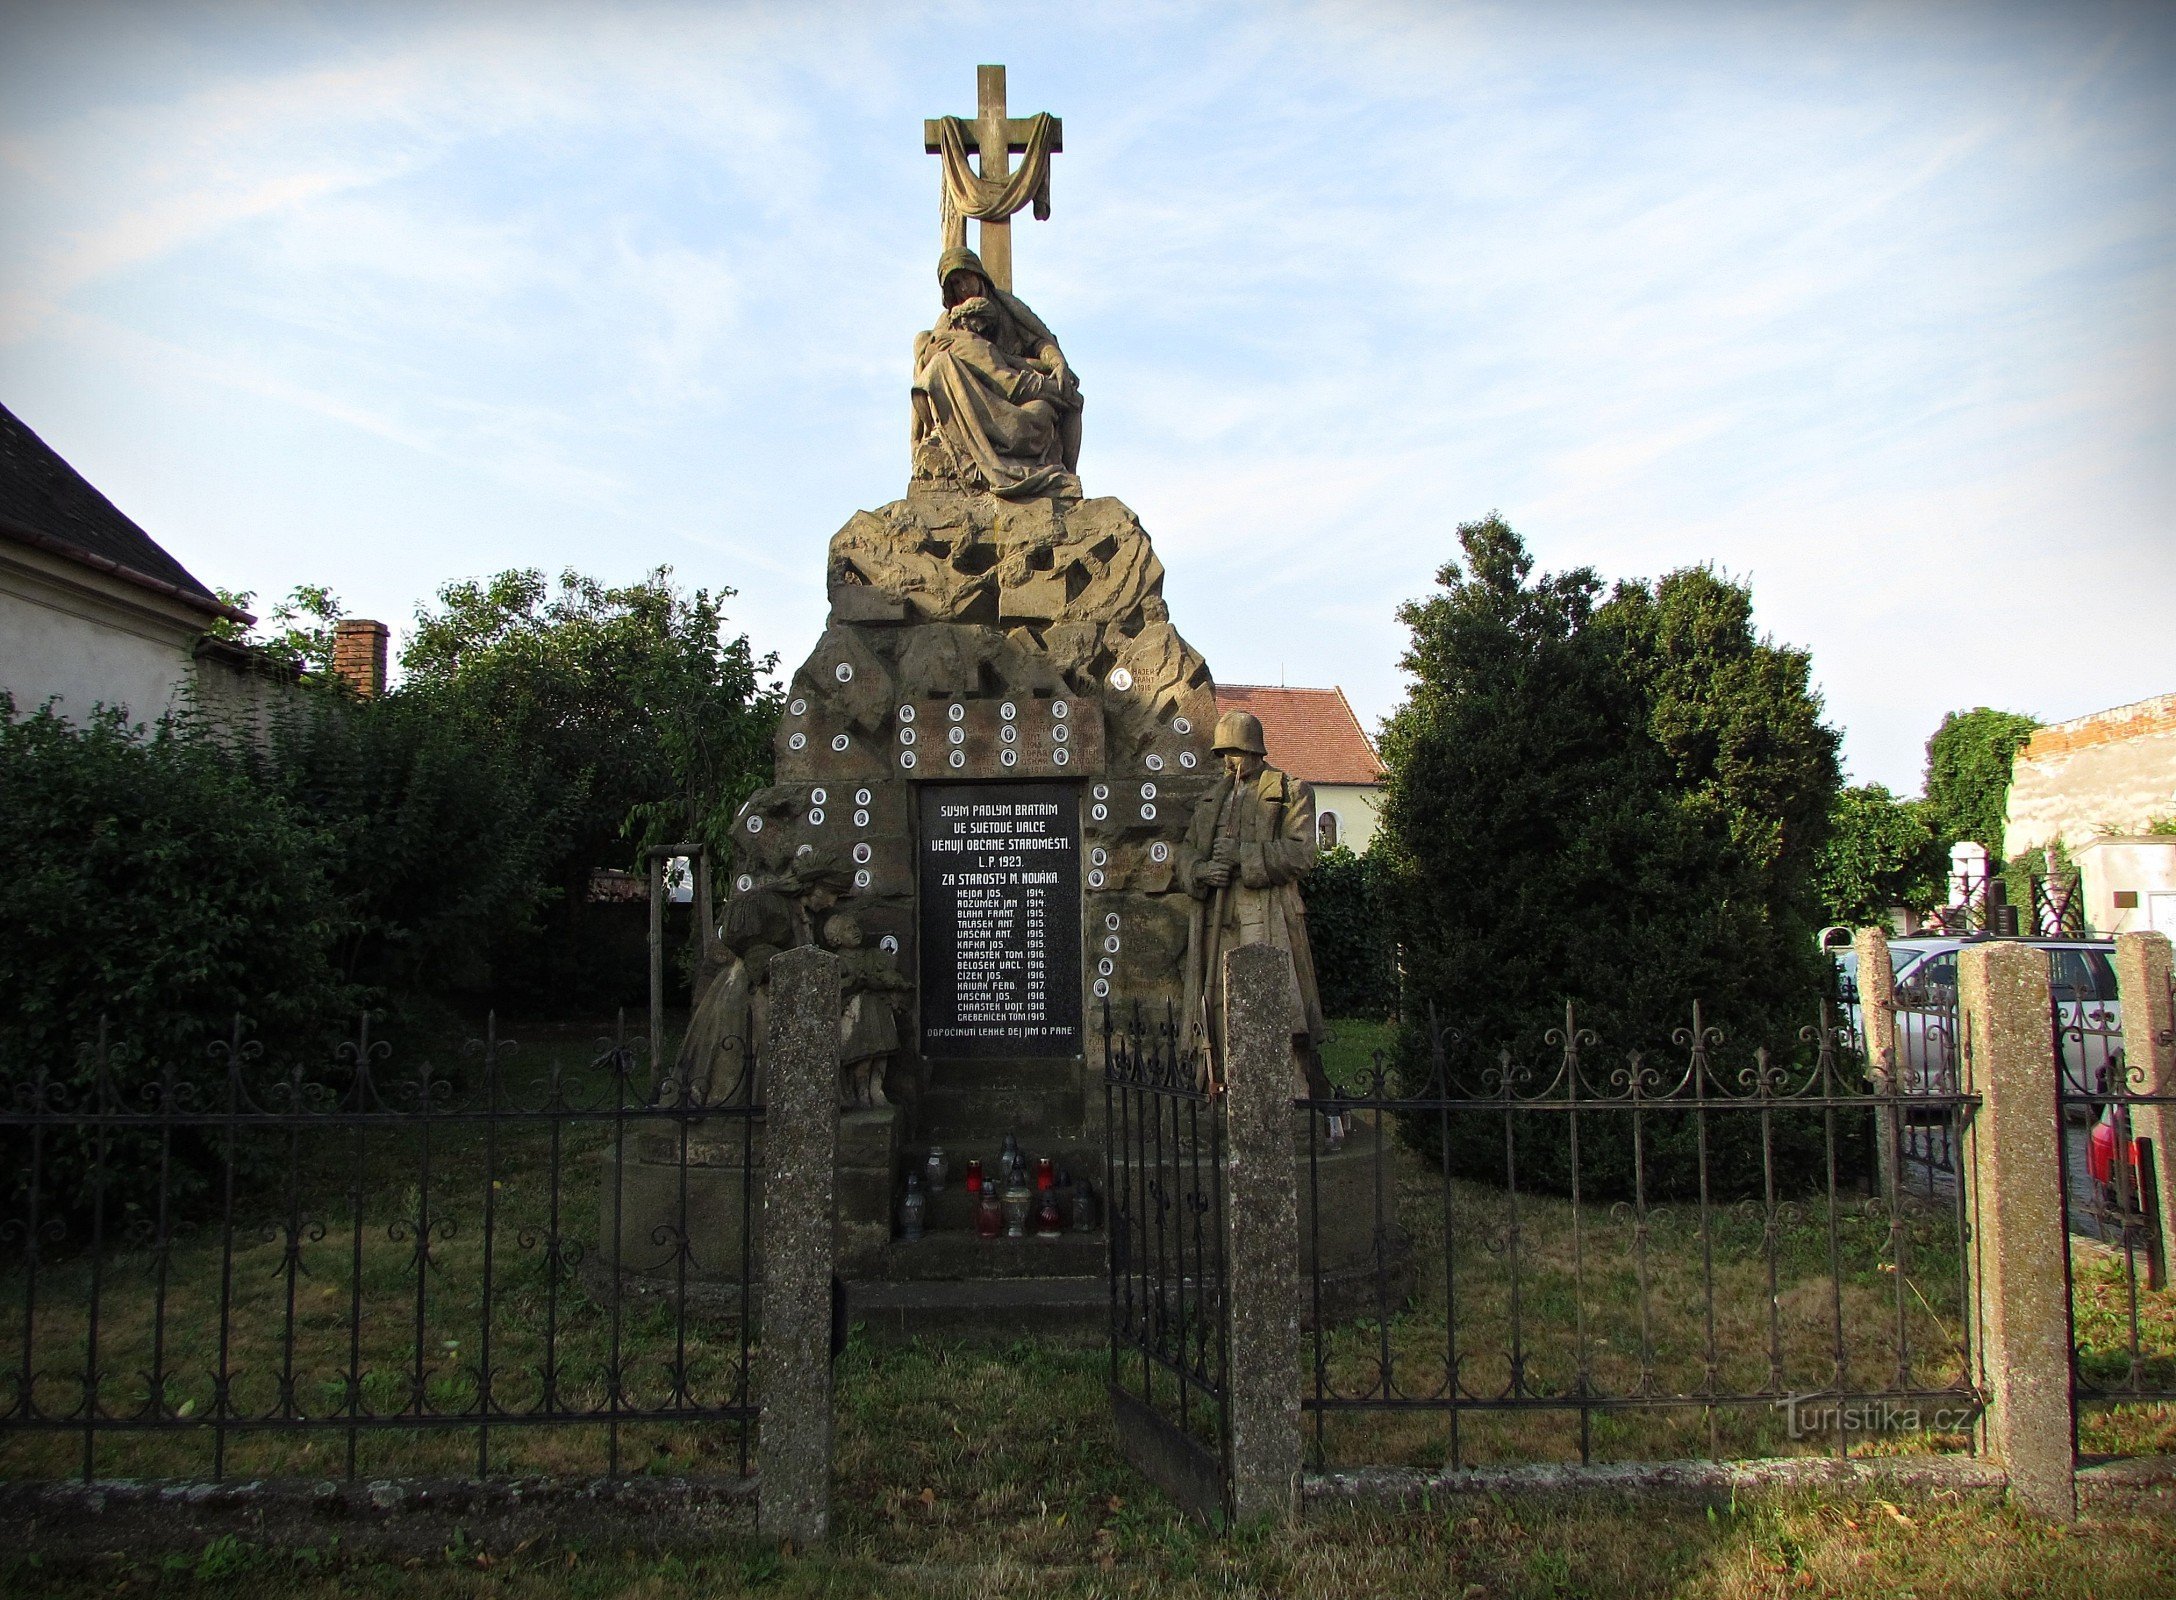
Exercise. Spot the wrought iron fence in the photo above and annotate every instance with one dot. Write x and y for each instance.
(1164, 1176)
(2058, 906)
(251, 1269)
(1928, 1131)
(1637, 1255)
(2054, 908)
(2122, 1353)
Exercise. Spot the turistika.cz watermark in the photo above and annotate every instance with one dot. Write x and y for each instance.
(1805, 1415)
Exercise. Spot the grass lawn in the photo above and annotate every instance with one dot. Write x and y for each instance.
(334, 1290)
(1349, 1056)
(970, 1471)
(996, 1473)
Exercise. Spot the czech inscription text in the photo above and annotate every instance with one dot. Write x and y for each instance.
(1000, 920)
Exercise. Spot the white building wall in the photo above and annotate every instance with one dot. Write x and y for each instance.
(2138, 870)
(72, 634)
(1358, 808)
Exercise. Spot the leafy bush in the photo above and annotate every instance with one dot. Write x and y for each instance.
(148, 879)
(1355, 960)
(435, 840)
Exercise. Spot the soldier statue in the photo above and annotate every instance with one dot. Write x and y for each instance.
(1249, 846)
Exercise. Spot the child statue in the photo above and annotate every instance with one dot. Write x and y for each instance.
(869, 1027)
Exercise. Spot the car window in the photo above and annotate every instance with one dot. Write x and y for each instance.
(2104, 974)
(1933, 979)
(2071, 979)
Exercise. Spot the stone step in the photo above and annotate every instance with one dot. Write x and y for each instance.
(950, 1207)
(954, 1255)
(954, 1212)
(1073, 1309)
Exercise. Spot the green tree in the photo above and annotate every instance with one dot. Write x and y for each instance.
(303, 626)
(1750, 761)
(641, 722)
(1968, 774)
(437, 847)
(1880, 853)
(1616, 804)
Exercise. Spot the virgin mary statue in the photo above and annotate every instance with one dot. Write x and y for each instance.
(995, 405)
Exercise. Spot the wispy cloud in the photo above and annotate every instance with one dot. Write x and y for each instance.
(1872, 303)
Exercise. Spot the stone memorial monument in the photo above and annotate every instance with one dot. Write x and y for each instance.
(997, 779)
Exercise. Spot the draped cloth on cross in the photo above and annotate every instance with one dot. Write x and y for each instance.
(967, 194)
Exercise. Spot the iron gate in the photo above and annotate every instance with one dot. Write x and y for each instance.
(1164, 1174)
(2111, 1194)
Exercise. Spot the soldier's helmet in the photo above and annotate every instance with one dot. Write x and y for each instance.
(1239, 730)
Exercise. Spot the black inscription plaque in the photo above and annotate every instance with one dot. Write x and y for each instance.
(1000, 920)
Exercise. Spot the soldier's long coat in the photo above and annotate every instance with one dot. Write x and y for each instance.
(1272, 817)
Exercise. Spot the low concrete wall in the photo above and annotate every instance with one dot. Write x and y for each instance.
(2142, 870)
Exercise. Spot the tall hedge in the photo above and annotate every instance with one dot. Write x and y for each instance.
(1355, 957)
(1616, 802)
(148, 879)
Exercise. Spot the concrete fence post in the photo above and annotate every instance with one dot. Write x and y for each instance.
(1262, 1235)
(2014, 1187)
(800, 1149)
(1877, 1031)
(2149, 1057)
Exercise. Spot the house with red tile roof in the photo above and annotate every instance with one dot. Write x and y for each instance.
(1313, 735)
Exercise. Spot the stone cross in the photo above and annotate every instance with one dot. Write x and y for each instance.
(995, 138)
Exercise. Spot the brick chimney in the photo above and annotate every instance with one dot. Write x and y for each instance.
(358, 654)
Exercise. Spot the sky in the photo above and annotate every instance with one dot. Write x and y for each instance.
(1872, 307)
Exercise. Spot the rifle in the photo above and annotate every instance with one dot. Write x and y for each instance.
(1212, 948)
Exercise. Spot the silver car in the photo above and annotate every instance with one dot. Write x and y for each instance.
(2088, 1017)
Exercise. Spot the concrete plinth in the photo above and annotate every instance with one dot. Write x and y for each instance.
(869, 1180)
(2016, 1194)
(644, 1188)
(793, 1362)
(1340, 1188)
